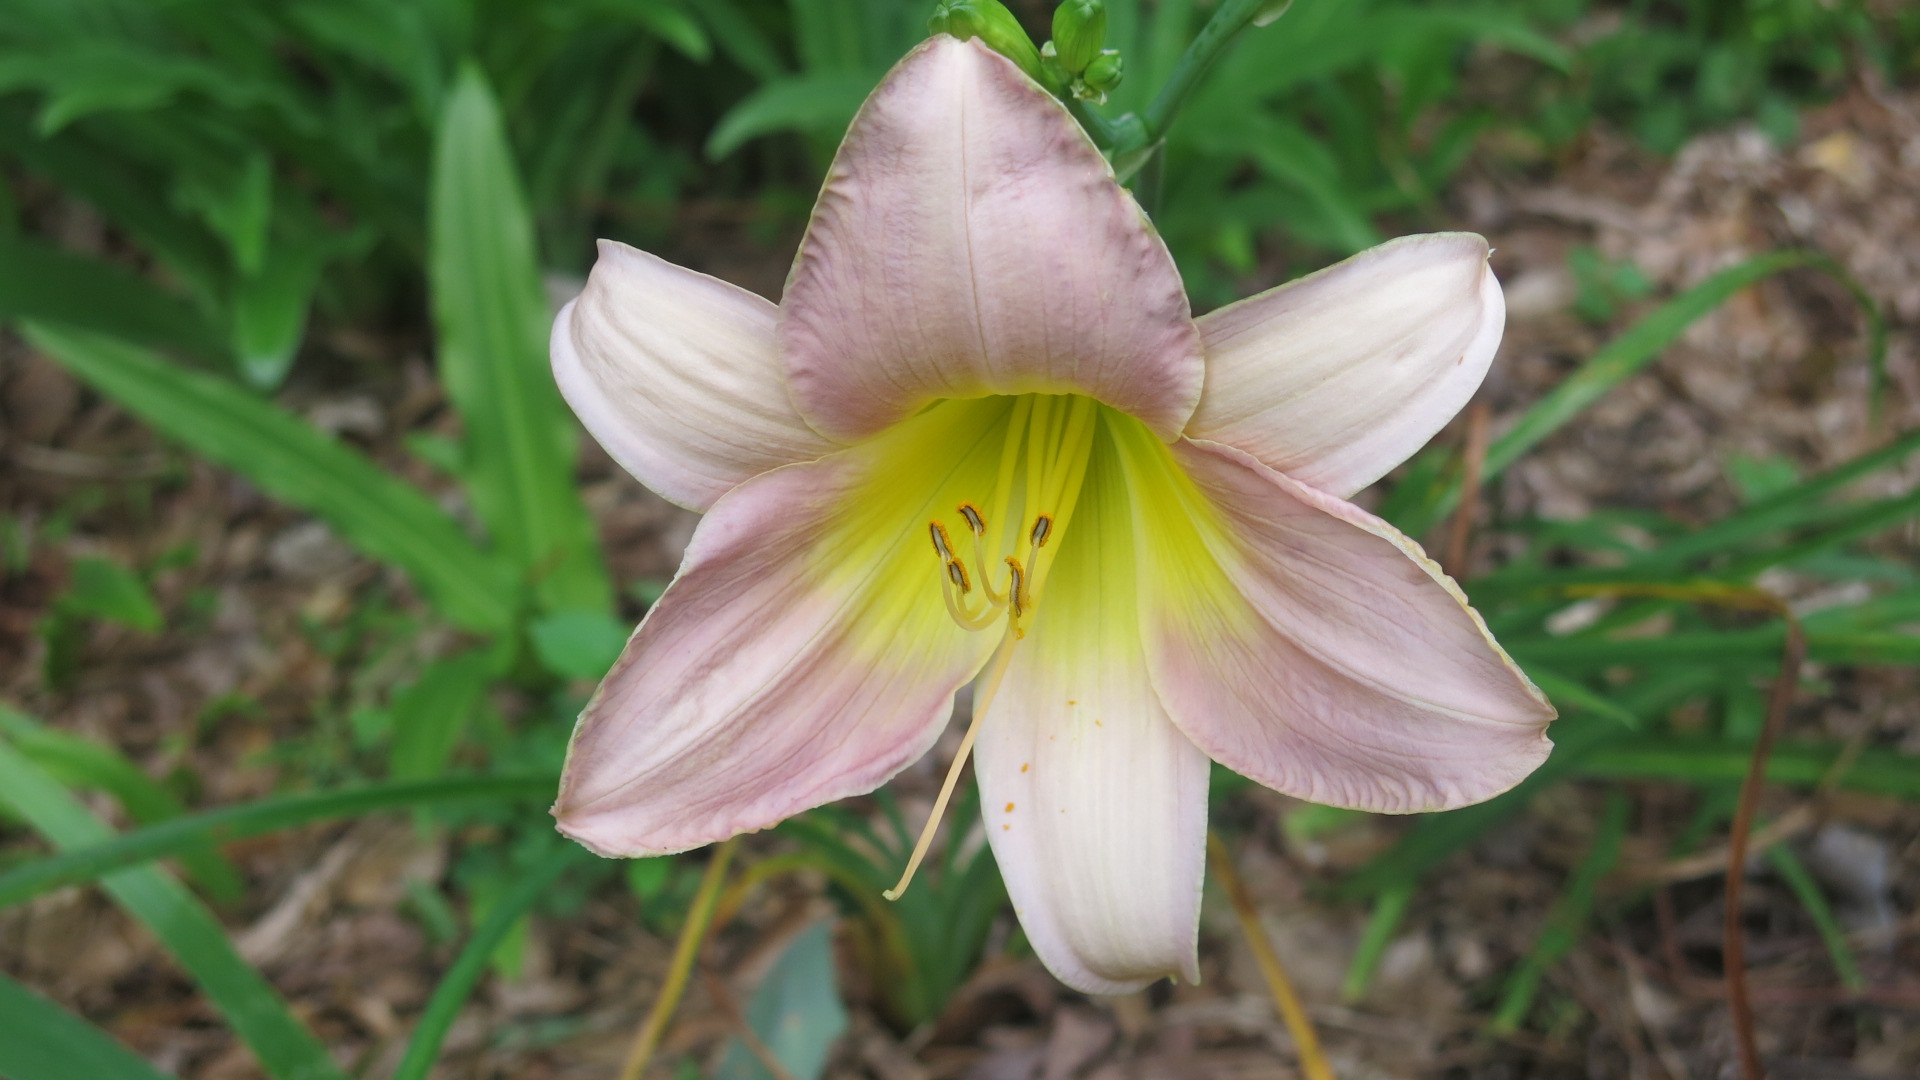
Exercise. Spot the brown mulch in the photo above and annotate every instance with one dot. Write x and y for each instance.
(277, 634)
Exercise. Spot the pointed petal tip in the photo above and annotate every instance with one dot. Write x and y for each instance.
(1337, 377)
(677, 375)
(970, 240)
(602, 834)
(1358, 676)
(590, 831)
(1498, 778)
(1086, 982)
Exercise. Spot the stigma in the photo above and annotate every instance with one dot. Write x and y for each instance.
(999, 580)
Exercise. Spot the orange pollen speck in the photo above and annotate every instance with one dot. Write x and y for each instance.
(1009, 808)
(1023, 766)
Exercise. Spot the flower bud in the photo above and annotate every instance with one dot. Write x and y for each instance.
(1270, 11)
(991, 22)
(1079, 29)
(1103, 73)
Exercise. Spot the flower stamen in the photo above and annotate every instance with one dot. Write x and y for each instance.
(982, 702)
(1059, 434)
(1042, 527)
(978, 526)
(1017, 595)
(1062, 494)
(954, 588)
(975, 522)
(942, 546)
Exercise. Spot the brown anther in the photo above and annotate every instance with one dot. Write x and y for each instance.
(1042, 528)
(941, 545)
(958, 575)
(1016, 587)
(974, 521)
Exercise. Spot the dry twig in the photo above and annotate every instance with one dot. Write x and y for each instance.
(1739, 1003)
(699, 915)
(1313, 1060)
(723, 997)
(1473, 465)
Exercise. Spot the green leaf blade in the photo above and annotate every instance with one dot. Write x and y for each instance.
(189, 931)
(384, 517)
(188, 832)
(491, 317)
(43, 283)
(42, 1041)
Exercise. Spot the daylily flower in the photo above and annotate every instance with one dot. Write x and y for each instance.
(982, 432)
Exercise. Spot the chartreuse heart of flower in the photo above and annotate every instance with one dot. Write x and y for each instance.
(983, 437)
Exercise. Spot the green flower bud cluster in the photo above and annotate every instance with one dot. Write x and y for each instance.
(1102, 75)
(1072, 63)
(1075, 57)
(991, 22)
(1079, 29)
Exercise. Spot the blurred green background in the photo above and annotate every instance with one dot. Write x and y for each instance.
(214, 214)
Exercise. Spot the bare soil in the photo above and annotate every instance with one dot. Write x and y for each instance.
(276, 633)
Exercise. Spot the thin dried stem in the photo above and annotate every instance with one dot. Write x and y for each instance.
(1313, 1060)
(717, 989)
(685, 951)
(1739, 842)
(1734, 946)
(1473, 466)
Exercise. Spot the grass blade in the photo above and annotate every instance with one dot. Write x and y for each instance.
(1565, 922)
(1624, 356)
(41, 282)
(491, 317)
(286, 1049)
(42, 1041)
(170, 838)
(384, 517)
(460, 979)
(126, 196)
(430, 715)
(1708, 760)
(78, 762)
(1389, 910)
(1782, 511)
(1807, 891)
(820, 104)
(1729, 647)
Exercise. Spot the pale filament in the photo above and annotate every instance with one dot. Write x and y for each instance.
(978, 524)
(1059, 440)
(982, 701)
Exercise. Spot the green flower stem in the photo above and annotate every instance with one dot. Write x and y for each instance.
(1150, 182)
(1226, 24)
(1105, 133)
(448, 998)
(685, 952)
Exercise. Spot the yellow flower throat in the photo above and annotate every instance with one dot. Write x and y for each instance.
(1054, 437)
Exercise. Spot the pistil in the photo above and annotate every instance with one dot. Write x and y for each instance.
(1059, 437)
(982, 702)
